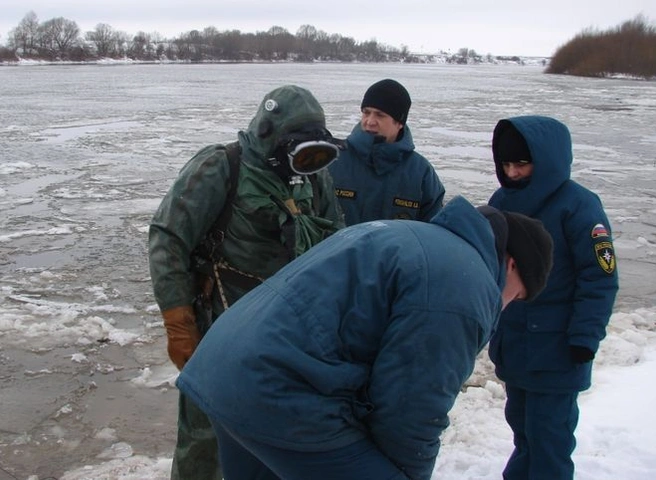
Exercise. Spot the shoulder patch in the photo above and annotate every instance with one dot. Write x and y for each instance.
(605, 256)
(599, 231)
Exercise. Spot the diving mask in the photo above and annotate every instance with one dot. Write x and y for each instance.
(309, 150)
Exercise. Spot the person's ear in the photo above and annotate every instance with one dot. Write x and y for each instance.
(514, 286)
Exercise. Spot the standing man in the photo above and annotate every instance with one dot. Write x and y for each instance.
(543, 350)
(345, 364)
(379, 175)
(234, 216)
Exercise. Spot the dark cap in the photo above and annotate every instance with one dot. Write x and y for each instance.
(499, 228)
(531, 246)
(390, 97)
(511, 146)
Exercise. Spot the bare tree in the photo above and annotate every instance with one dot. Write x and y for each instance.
(322, 44)
(306, 35)
(197, 42)
(306, 32)
(277, 30)
(209, 33)
(25, 35)
(60, 34)
(104, 38)
(138, 50)
(281, 42)
(346, 48)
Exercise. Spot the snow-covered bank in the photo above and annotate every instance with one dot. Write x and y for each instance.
(616, 434)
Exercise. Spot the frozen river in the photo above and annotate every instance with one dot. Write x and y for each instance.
(87, 152)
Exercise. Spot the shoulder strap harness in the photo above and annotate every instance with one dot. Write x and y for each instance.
(216, 234)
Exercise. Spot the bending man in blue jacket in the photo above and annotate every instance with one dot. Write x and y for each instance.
(380, 175)
(345, 364)
(543, 350)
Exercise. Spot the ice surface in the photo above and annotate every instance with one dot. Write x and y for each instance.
(86, 154)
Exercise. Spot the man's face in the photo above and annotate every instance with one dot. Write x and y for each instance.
(378, 122)
(514, 289)
(517, 170)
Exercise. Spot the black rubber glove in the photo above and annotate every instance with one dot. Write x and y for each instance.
(580, 354)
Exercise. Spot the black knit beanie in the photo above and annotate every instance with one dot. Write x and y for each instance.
(390, 97)
(531, 246)
(499, 228)
(510, 145)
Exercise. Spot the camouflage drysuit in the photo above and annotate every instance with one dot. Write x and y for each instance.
(271, 222)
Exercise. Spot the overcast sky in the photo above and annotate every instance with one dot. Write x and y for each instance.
(500, 27)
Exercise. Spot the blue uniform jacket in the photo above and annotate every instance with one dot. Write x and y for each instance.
(531, 346)
(371, 332)
(375, 180)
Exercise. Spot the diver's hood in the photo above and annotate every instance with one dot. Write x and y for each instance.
(282, 111)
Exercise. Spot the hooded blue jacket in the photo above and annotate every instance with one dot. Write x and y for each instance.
(531, 345)
(371, 332)
(375, 180)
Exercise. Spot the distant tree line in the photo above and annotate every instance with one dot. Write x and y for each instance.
(60, 39)
(629, 49)
(468, 56)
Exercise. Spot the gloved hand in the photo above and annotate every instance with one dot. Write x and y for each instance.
(580, 354)
(183, 336)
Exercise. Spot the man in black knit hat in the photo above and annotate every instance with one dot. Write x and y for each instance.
(318, 374)
(379, 175)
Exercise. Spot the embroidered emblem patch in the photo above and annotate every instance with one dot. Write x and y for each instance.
(599, 231)
(605, 256)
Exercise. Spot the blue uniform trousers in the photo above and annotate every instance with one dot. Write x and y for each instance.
(543, 426)
(245, 459)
